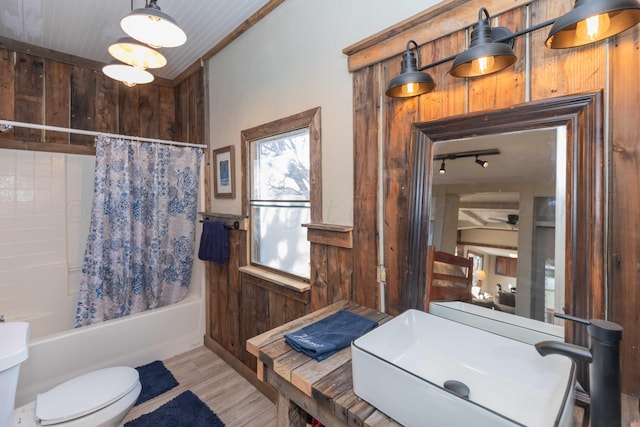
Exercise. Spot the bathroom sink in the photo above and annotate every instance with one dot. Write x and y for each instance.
(401, 368)
(508, 325)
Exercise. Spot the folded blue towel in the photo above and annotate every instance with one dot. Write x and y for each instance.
(214, 242)
(325, 337)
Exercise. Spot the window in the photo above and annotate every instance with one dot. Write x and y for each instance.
(282, 191)
(478, 261)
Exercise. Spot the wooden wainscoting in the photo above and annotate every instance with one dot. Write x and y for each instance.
(243, 303)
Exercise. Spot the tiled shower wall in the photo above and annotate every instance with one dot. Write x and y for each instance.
(45, 207)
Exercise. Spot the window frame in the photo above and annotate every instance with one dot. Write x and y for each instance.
(307, 119)
(480, 264)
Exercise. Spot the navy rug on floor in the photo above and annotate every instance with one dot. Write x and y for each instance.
(155, 379)
(185, 410)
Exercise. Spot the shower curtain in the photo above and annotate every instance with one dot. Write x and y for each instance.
(139, 253)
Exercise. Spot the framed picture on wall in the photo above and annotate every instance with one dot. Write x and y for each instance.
(224, 173)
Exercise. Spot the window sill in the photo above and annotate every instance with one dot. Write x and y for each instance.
(289, 283)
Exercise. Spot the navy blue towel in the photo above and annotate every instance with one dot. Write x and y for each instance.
(214, 242)
(325, 337)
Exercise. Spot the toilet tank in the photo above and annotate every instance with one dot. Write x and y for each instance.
(14, 349)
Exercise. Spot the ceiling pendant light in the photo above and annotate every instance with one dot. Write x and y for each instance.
(411, 81)
(136, 54)
(152, 26)
(591, 21)
(485, 56)
(127, 74)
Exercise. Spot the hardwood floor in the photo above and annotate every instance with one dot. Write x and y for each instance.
(227, 393)
(239, 404)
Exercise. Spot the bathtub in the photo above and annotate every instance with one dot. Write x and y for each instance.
(132, 341)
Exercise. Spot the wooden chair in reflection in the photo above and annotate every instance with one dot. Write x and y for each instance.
(449, 277)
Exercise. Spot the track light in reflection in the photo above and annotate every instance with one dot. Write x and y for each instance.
(443, 169)
(482, 163)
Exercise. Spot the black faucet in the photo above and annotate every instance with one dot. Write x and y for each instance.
(604, 369)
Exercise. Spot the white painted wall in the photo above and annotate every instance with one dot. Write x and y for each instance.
(292, 61)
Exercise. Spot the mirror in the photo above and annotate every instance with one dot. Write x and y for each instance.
(496, 198)
(579, 212)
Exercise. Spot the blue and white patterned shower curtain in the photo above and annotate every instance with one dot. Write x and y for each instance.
(140, 248)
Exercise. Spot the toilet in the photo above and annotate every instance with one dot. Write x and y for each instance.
(100, 398)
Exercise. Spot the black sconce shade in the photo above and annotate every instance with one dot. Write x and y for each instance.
(491, 50)
(593, 20)
(410, 82)
(484, 56)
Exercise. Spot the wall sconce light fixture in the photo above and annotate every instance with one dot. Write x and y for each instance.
(411, 81)
(589, 21)
(485, 55)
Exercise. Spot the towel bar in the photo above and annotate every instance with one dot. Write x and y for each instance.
(234, 226)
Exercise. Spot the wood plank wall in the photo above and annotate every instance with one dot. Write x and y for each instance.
(242, 305)
(611, 66)
(44, 91)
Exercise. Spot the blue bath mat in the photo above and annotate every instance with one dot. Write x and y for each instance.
(155, 379)
(185, 410)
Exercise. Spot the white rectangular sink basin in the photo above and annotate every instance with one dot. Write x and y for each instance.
(401, 367)
(506, 324)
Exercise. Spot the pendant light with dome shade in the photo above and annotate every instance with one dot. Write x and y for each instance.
(137, 54)
(591, 21)
(485, 55)
(152, 26)
(411, 81)
(127, 74)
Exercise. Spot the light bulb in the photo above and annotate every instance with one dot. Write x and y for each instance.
(593, 27)
(483, 64)
(442, 170)
(139, 60)
(409, 88)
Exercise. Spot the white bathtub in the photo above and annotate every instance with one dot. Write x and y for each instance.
(131, 341)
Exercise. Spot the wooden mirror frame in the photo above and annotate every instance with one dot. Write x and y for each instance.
(585, 252)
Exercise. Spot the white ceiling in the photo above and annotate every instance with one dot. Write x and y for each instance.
(85, 28)
(524, 157)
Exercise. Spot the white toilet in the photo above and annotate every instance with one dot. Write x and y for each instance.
(96, 399)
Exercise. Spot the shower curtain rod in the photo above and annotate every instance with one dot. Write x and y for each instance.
(9, 123)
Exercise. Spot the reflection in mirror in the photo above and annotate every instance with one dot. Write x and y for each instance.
(505, 209)
(579, 216)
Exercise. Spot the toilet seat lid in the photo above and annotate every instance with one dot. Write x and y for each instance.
(85, 394)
